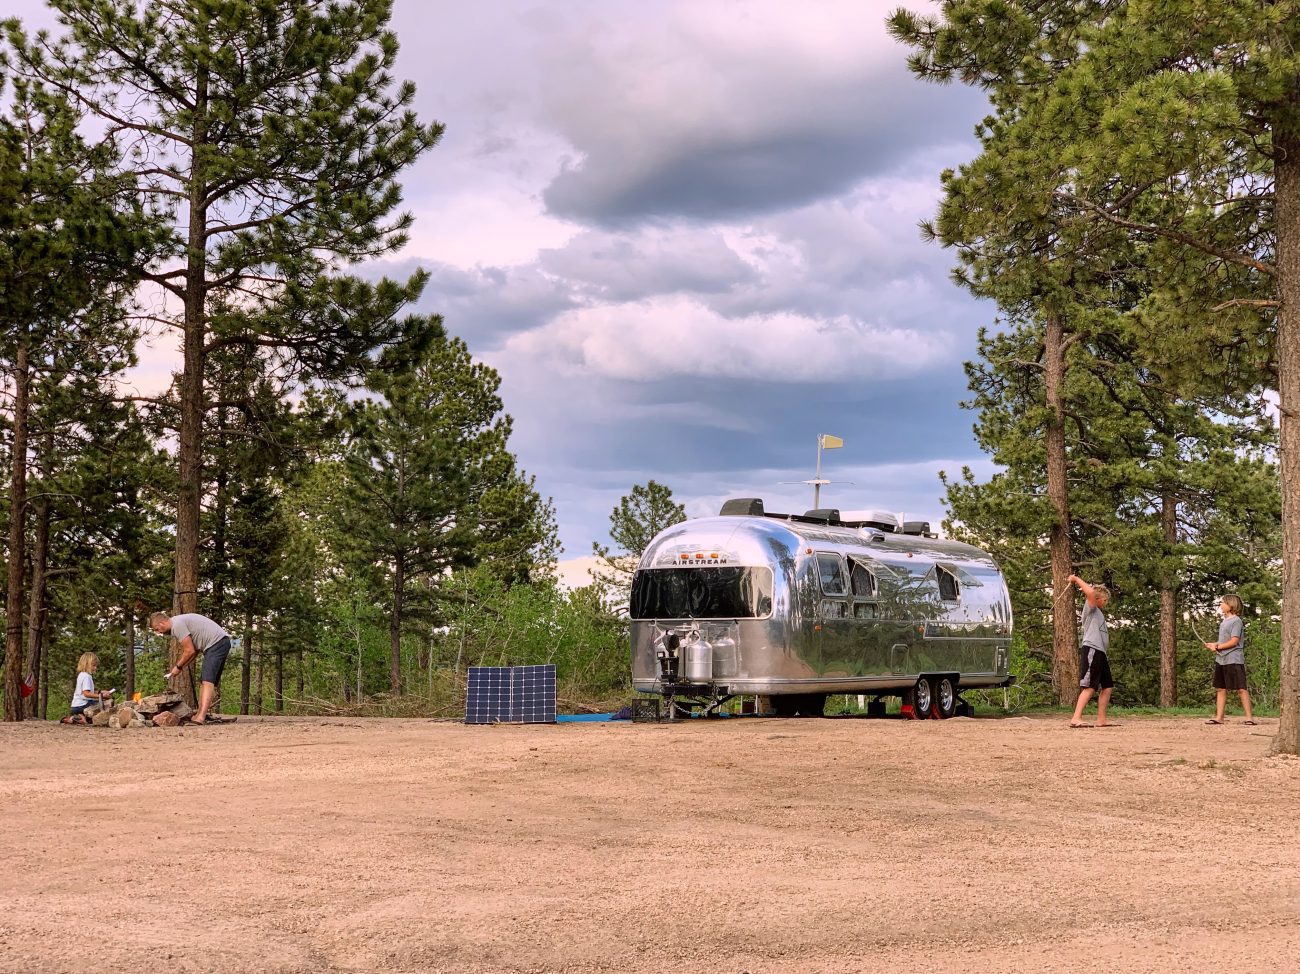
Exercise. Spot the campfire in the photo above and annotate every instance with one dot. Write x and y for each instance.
(156, 710)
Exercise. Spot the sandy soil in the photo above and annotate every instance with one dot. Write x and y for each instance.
(760, 845)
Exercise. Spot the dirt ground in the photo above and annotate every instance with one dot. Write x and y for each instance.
(760, 845)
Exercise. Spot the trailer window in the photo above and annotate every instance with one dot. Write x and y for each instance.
(948, 588)
(831, 571)
(702, 593)
(864, 582)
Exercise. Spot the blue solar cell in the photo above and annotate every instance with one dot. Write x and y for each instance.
(511, 694)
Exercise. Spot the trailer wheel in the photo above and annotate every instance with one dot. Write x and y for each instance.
(945, 698)
(922, 699)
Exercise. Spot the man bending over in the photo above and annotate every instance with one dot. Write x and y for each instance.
(196, 634)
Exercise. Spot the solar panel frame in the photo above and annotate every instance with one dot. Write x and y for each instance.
(510, 695)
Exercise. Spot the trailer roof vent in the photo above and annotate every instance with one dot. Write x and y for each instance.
(742, 507)
(921, 528)
(886, 521)
(830, 515)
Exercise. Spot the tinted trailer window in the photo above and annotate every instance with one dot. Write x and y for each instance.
(702, 593)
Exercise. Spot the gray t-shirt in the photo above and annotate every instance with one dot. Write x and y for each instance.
(1095, 633)
(203, 632)
(1229, 627)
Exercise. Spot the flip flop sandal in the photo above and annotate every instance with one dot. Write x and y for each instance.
(1078, 726)
(1216, 721)
(1250, 723)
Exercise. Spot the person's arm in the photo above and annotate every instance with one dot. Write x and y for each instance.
(1088, 591)
(88, 692)
(188, 652)
(1224, 646)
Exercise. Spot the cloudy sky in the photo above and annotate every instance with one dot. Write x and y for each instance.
(685, 234)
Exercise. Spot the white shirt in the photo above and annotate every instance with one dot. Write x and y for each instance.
(85, 686)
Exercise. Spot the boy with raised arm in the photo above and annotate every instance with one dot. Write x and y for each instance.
(1094, 642)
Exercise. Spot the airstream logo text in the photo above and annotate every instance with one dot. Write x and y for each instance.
(701, 556)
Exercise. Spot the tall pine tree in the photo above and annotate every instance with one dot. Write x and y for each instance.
(272, 134)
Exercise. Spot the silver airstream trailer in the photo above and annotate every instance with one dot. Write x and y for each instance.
(796, 607)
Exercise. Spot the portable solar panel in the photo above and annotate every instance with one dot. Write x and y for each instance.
(510, 695)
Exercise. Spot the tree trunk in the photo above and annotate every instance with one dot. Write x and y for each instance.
(44, 691)
(246, 669)
(1168, 605)
(257, 699)
(302, 676)
(190, 459)
(36, 601)
(395, 629)
(1286, 142)
(219, 523)
(17, 539)
(1065, 638)
(356, 630)
(279, 678)
(130, 649)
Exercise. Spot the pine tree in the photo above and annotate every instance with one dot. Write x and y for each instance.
(272, 134)
(1179, 124)
(70, 246)
(633, 524)
(428, 476)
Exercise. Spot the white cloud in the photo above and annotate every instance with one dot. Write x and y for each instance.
(677, 336)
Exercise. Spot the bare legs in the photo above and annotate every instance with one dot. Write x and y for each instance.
(1084, 696)
(206, 695)
(1103, 701)
(1221, 701)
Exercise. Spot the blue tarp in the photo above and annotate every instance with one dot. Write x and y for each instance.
(581, 718)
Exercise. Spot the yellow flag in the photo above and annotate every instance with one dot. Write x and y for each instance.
(831, 442)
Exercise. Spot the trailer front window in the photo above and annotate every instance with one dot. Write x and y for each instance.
(702, 593)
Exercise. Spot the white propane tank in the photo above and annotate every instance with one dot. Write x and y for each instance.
(699, 661)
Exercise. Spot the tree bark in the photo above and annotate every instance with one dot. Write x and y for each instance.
(1286, 142)
(17, 538)
(44, 691)
(36, 602)
(219, 505)
(261, 683)
(246, 668)
(395, 628)
(279, 679)
(190, 457)
(1169, 605)
(1065, 638)
(130, 650)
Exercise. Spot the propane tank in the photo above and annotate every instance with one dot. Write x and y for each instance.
(724, 656)
(699, 660)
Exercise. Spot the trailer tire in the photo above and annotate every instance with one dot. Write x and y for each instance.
(945, 697)
(922, 699)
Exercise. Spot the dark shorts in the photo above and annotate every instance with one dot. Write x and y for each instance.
(1230, 677)
(82, 708)
(214, 661)
(1094, 669)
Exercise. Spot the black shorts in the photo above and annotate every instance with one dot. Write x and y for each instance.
(214, 661)
(1230, 676)
(1094, 669)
